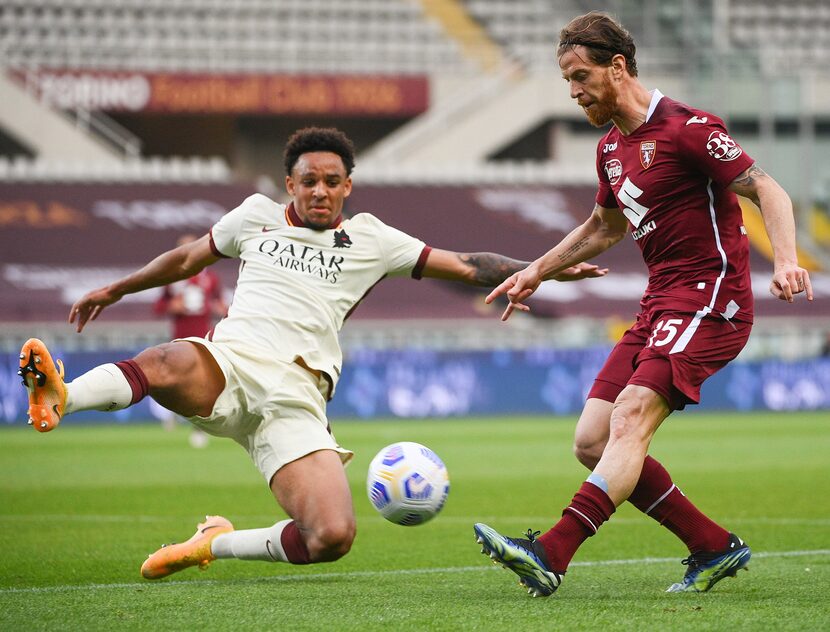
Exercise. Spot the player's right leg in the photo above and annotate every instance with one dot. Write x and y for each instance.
(656, 495)
(182, 376)
(524, 556)
(591, 434)
(43, 379)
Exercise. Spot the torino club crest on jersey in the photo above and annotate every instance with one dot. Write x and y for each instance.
(647, 150)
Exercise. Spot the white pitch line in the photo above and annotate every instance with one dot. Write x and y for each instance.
(83, 518)
(358, 574)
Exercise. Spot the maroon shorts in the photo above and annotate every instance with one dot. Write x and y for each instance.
(672, 353)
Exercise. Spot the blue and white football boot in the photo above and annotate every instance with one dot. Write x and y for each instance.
(523, 556)
(707, 569)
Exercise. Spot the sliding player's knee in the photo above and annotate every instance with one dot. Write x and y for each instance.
(332, 540)
(162, 365)
(172, 365)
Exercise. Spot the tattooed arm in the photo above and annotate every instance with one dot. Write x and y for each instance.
(777, 211)
(604, 228)
(477, 268)
(488, 269)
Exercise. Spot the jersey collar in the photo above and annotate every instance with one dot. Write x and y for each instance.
(294, 219)
(656, 95)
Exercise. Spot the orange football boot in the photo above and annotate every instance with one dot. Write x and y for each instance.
(44, 381)
(195, 552)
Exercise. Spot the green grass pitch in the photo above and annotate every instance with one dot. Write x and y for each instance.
(80, 508)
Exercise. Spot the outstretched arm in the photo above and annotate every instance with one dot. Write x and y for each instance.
(788, 277)
(174, 265)
(603, 229)
(487, 269)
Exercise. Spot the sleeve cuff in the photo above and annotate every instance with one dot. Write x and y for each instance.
(422, 261)
(214, 249)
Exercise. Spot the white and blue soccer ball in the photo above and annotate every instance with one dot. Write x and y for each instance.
(407, 483)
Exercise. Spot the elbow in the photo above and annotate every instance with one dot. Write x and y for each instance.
(612, 235)
(189, 267)
(616, 238)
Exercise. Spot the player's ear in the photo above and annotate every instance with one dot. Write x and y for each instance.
(347, 186)
(618, 66)
(289, 185)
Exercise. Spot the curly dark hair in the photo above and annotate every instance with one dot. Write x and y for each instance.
(318, 139)
(603, 36)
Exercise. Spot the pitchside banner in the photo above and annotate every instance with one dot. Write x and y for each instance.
(176, 93)
(418, 383)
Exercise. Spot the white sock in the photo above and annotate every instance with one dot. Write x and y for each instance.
(251, 544)
(102, 388)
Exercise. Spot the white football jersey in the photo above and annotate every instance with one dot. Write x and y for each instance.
(297, 285)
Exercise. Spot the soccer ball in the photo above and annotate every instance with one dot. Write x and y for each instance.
(407, 483)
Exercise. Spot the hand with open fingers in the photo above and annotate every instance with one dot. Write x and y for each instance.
(518, 287)
(581, 271)
(89, 306)
(789, 280)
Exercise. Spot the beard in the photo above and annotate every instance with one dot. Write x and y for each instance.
(604, 107)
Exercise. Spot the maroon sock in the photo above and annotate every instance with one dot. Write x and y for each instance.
(136, 379)
(658, 497)
(293, 545)
(581, 519)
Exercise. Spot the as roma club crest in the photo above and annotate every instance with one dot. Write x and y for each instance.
(648, 148)
(341, 239)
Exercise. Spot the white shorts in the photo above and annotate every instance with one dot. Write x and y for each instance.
(276, 410)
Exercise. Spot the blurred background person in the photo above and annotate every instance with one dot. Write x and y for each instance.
(193, 305)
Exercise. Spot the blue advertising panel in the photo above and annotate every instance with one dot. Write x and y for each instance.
(427, 383)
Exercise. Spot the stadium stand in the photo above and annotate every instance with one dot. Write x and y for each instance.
(789, 37)
(348, 36)
(180, 169)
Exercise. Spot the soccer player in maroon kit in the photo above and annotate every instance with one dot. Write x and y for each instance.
(193, 303)
(670, 174)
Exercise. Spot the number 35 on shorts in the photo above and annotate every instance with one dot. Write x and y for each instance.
(664, 332)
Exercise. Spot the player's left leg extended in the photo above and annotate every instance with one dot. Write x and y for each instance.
(314, 492)
(707, 568)
(293, 448)
(312, 489)
(196, 551)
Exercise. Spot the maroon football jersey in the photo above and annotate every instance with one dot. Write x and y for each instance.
(198, 295)
(670, 177)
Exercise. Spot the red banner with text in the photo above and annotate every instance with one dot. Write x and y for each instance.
(341, 95)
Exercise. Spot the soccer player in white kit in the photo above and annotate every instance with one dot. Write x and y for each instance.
(263, 375)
